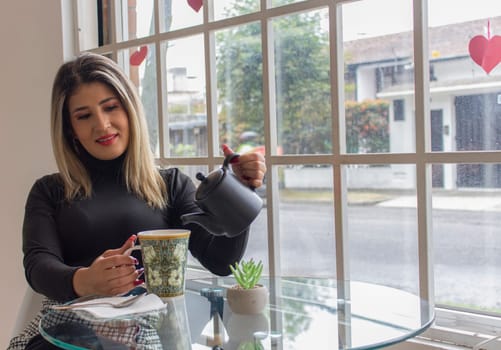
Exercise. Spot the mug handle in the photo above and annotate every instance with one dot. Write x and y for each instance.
(130, 250)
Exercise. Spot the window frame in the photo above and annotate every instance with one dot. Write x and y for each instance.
(423, 158)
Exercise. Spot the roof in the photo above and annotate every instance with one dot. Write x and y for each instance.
(446, 41)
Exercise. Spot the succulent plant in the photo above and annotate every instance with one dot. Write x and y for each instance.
(247, 273)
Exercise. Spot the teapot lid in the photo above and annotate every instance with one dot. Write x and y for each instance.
(208, 183)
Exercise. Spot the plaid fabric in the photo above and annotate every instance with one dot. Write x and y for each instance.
(135, 333)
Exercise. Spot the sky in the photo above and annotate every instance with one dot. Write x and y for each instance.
(359, 21)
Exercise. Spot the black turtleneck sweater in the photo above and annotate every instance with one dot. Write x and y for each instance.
(60, 236)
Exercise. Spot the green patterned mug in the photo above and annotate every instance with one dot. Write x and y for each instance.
(164, 253)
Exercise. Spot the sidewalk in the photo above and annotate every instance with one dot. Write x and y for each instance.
(450, 200)
(475, 203)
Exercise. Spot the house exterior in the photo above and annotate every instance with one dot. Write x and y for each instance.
(465, 101)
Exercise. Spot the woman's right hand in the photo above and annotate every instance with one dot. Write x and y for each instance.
(111, 273)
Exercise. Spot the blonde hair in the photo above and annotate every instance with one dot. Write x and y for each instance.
(140, 173)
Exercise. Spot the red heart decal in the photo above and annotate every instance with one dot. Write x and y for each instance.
(138, 57)
(195, 4)
(485, 52)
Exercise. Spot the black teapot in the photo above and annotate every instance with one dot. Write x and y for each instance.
(228, 206)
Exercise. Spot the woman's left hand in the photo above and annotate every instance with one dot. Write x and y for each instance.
(249, 167)
(111, 273)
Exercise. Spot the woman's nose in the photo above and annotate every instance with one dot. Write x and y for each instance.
(102, 121)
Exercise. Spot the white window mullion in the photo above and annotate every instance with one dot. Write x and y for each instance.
(338, 137)
(270, 130)
(211, 87)
(339, 174)
(161, 83)
(423, 169)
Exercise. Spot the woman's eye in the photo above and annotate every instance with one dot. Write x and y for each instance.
(111, 108)
(83, 116)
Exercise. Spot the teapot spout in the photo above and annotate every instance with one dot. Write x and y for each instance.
(205, 220)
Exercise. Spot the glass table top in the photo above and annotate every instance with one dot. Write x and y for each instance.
(301, 313)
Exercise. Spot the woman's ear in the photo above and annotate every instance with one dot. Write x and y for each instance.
(71, 139)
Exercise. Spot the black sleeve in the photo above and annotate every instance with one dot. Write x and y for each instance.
(215, 253)
(43, 262)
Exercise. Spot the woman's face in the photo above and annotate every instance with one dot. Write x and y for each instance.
(99, 121)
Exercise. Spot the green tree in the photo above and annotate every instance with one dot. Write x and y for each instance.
(239, 67)
(302, 80)
(303, 86)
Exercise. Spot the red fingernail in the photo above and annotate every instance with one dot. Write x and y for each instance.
(138, 282)
(132, 238)
(225, 147)
(234, 160)
(140, 272)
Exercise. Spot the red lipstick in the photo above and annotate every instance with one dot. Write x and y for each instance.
(107, 140)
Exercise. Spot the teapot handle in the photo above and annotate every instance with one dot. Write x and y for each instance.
(229, 158)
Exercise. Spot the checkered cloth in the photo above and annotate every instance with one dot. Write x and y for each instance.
(139, 332)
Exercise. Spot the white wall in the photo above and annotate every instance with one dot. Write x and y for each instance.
(32, 50)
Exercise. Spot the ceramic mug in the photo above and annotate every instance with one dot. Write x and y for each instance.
(165, 253)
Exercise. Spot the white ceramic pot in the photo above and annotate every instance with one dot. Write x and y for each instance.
(247, 301)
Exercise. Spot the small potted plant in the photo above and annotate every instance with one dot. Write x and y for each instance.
(248, 296)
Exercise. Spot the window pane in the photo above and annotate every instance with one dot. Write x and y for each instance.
(466, 176)
(239, 87)
(232, 8)
(307, 242)
(382, 225)
(139, 64)
(175, 14)
(135, 19)
(464, 80)
(379, 76)
(257, 246)
(467, 242)
(186, 113)
(191, 171)
(303, 109)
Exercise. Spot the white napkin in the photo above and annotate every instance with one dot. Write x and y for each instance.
(147, 303)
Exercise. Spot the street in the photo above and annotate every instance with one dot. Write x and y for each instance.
(383, 248)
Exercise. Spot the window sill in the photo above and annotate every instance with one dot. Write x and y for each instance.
(449, 338)
(424, 344)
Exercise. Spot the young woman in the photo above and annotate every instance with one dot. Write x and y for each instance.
(79, 221)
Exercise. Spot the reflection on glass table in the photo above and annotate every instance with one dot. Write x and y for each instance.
(163, 325)
(302, 313)
(308, 312)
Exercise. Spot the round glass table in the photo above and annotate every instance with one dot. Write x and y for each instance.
(301, 312)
